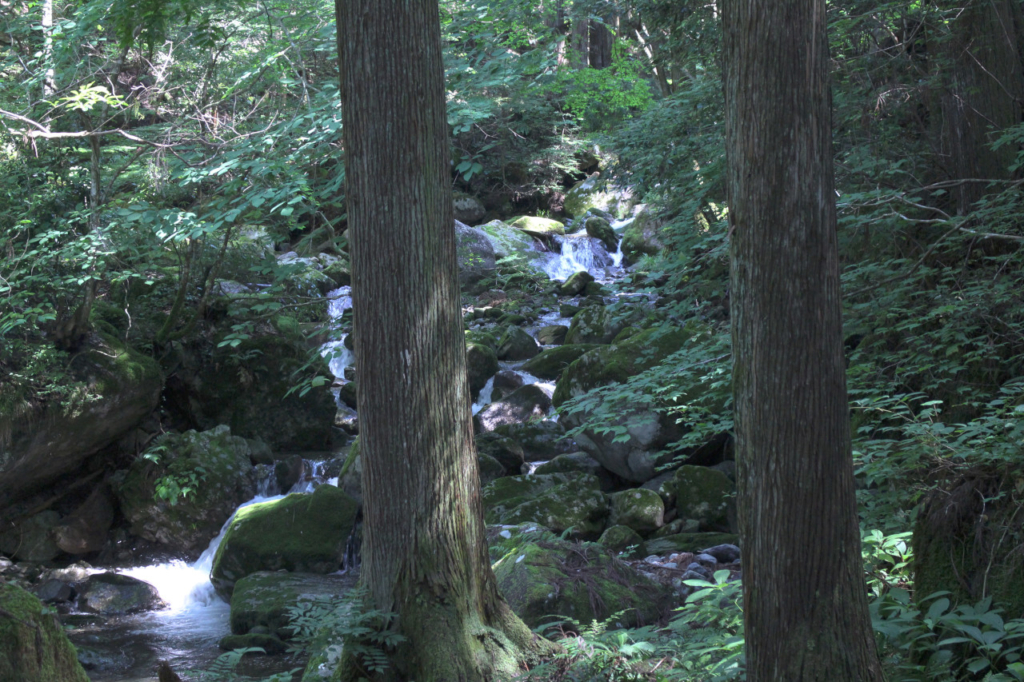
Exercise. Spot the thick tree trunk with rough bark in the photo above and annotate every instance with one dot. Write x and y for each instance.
(424, 555)
(805, 600)
(984, 94)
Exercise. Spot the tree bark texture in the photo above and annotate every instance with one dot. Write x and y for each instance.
(424, 552)
(984, 94)
(805, 600)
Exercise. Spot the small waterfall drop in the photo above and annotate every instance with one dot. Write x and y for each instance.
(339, 357)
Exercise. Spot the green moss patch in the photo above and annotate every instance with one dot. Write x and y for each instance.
(33, 646)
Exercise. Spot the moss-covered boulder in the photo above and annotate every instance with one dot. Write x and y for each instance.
(113, 594)
(642, 237)
(542, 581)
(301, 532)
(588, 194)
(575, 283)
(598, 324)
(33, 646)
(967, 541)
(689, 542)
(482, 364)
(623, 539)
(186, 487)
(508, 241)
(40, 444)
(541, 228)
(475, 256)
(516, 344)
(261, 600)
(601, 229)
(302, 276)
(506, 451)
(245, 387)
(490, 469)
(552, 335)
(705, 495)
(551, 362)
(555, 501)
(482, 338)
(639, 509)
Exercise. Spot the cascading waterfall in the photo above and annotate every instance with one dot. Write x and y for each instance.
(339, 356)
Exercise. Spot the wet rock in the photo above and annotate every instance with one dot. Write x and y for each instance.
(259, 451)
(621, 539)
(215, 468)
(468, 209)
(599, 228)
(705, 495)
(490, 469)
(32, 539)
(575, 284)
(270, 644)
(540, 440)
(347, 395)
(568, 310)
(289, 471)
(505, 383)
(482, 364)
(476, 258)
(41, 445)
(505, 450)
(689, 542)
(579, 462)
(706, 560)
(523, 404)
(724, 554)
(112, 594)
(639, 509)
(53, 592)
(552, 335)
(33, 646)
(584, 582)
(551, 362)
(508, 241)
(516, 344)
(301, 532)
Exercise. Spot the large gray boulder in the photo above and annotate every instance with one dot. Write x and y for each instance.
(476, 258)
(213, 475)
(38, 445)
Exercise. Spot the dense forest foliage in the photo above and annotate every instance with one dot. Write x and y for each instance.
(155, 154)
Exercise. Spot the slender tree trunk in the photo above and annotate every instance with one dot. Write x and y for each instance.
(424, 551)
(601, 40)
(805, 600)
(49, 86)
(984, 94)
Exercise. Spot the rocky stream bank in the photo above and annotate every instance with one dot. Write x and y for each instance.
(193, 506)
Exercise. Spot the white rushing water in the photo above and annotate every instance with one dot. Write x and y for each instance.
(185, 586)
(338, 356)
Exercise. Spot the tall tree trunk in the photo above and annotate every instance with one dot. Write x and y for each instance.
(984, 94)
(579, 41)
(805, 602)
(424, 551)
(601, 40)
